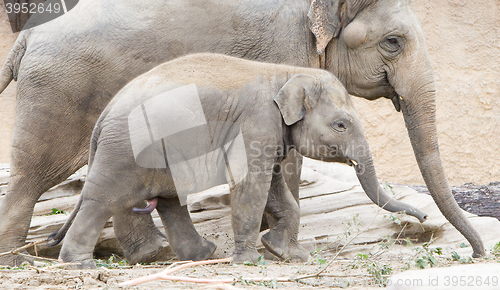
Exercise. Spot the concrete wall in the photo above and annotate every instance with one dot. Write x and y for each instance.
(463, 40)
(8, 97)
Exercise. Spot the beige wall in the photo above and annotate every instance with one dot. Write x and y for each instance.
(463, 40)
(8, 97)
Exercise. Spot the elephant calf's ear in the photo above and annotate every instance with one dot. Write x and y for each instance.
(291, 98)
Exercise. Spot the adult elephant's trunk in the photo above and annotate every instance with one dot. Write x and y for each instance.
(369, 181)
(417, 97)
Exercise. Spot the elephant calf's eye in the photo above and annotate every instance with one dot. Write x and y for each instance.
(339, 126)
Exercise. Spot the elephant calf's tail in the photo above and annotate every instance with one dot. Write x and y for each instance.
(57, 236)
(11, 66)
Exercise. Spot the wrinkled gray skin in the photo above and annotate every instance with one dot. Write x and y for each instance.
(68, 70)
(275, 107)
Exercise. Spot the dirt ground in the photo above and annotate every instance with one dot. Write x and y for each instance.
(354, 271)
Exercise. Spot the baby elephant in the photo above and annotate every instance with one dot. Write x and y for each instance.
(204, 120)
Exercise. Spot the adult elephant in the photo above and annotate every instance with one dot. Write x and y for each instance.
(68, 69)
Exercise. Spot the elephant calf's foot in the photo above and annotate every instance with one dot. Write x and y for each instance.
(152, 253)
(81, 261)
(78, 265)
(85, 264)
(288, 251)
(203, 252)
(248, 255)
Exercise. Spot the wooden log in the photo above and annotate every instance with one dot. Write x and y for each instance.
(481, 200)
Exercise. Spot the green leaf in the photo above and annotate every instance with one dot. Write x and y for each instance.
(421, 263)
(432, 261)
(56, 211)
(438, 250)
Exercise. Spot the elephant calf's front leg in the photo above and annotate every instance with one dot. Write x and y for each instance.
(281, 240)
(248, 200)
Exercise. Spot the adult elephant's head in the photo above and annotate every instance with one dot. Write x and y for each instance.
(377, 49)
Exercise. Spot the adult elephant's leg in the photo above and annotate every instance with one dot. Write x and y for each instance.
(282, 239)
(182, 236)
(36, 166)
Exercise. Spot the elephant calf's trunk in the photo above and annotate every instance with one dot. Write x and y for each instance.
(386, 202)
(369, 181)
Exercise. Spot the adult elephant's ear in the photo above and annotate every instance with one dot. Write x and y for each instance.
(293, 98)
(328, 17)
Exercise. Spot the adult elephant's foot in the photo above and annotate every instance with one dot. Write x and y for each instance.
(203, 252)
(15, 218)
(283, 249)
(14, 260)
(247, 255)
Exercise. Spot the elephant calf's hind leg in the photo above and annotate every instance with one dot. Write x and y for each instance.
(78, 245)
(281, 240)
(182, 236)
(139, 238)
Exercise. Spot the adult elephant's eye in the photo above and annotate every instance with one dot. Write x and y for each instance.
(339, 126)
(392, 45)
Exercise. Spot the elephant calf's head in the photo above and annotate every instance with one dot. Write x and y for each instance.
(323, 125)
(321, 118)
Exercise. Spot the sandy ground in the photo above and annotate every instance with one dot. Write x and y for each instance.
(354, 272)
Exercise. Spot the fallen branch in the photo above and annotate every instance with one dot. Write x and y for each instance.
(318, 274)
(164, 275)
(18, 252)
(346, 244)
(60, 265)
(36, 258)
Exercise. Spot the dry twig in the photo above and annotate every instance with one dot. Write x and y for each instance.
(165, 275)
(18, 252)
